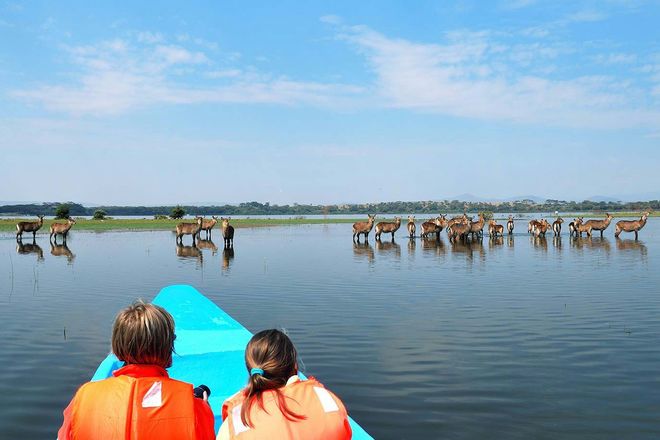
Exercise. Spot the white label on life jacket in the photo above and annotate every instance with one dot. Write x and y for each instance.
(154, 397)
(327, 402)
(238, 422)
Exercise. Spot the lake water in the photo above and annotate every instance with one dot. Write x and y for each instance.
(510, 338)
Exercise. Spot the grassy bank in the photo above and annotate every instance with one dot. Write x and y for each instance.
(9, 225)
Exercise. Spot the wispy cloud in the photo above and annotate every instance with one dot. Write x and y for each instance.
(470, 75)
(121, 75)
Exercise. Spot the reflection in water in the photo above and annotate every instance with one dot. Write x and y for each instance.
(431, 244)
(363, 250)
(591, 243)
(509, 241)
(188, 252)
(469, 247)
(389, 246)
(62, 250)
(556, 241)
(30, 248)
(227, 256)
(207, 244)
(495, 242)
(630, 245)
(540, 242)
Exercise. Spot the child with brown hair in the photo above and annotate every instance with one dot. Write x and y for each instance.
(140, 401)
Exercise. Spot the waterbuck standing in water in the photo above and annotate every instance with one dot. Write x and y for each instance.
(207, 225)
(494, 229)
(188, 229)
(600, 225)
(388, 227)
(556, 226)
(29, 227)
(434, 226)
(631, 225)
(478, 226)
(62, 229)
(509, 225)
(411, 226)
(363, 228)
(227, 232)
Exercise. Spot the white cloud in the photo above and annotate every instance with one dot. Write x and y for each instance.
(469, 76)
(118, 76)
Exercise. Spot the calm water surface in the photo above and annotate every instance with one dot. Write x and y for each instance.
(511, 338)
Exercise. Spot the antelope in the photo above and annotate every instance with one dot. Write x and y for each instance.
(478, 226)
(188, 229)
(631, 225)
(207, 244)
(572, 227)
(388, 227)
(433, 226)
(30, 248)
(556, 226)
(540, 228)
(531, 225)
(62, 229)
(600, 225)
(29, 227)
(509, 225)
(581, 227)
(459, 230)
(61, 250)
(463, 219)
(207, 225)
(363, 228)
(494, 229)
(227, 232)
(411, 226)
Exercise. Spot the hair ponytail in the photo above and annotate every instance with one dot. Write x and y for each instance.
(272, 354)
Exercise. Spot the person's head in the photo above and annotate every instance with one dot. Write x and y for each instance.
(271, 359)
(143, 334)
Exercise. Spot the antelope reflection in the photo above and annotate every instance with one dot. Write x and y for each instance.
(363, 250)
(539, 242)
(389, 246)
(469, 247)
(62, 250)
(207, 244)
(433, 245)
(592, 243)
(227, 257)
(30, 248)
(191, 252)
(629, 245)
(495, 242)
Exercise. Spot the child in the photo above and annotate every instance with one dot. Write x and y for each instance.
(140, 401)
(277, 404)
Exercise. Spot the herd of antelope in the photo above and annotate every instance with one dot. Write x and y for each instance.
(202, 224)
(462, 227)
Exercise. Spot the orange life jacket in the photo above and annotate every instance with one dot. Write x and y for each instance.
(326, 416)
(140, 402)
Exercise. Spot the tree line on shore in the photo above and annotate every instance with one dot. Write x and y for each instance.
(257, 208)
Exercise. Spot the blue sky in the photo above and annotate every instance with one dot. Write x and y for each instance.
(328, 102)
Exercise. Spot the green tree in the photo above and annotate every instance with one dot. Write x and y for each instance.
(177, 212)
(99, 214)
(62, 211)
